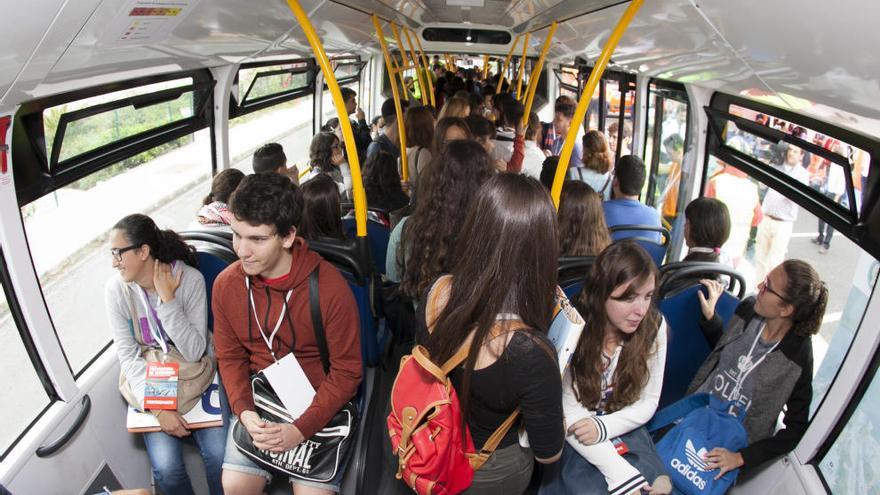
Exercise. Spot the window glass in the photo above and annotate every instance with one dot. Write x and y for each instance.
(766, 229)
(67, 232)
(612, 123)
(289, 123)
(91, 132)
(329, 109)
(270, 80)
(347, 69)
(849, 466)
(664, 150)
(21, 392)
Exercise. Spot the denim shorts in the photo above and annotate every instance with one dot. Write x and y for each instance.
(234, 460)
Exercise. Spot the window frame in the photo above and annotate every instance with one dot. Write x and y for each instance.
(674, 91)
(35, 175)
(862, 227)
(244, 107)
(20, 323)
(347, 61)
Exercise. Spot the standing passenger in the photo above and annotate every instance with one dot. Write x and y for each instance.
(159, 302)
(359, 127)
(502, 315)
(419, 138)
(269, 284)
(389, 141)
(612, 387)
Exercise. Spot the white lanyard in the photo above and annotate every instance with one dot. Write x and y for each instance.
(155, 330)
(745, 365)
(268, 341)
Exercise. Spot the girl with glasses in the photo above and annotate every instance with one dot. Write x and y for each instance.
(763, 359)
(157, 309)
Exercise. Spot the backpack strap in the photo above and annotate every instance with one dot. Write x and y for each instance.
(478, 459)
(317, 319)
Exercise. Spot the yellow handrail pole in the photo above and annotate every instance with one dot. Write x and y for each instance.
(427, 68)
(360, 197)
(536, 74)
(405, 65)
(506, 64)
(587, 95)
(418, 65)
(522, 67)
(485, 66)
(401, 129)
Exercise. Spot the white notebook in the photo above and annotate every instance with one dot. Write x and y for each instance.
(565, 330)
(204, 414)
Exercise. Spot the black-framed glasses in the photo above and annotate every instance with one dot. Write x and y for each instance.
(765, 285)
(117, 252)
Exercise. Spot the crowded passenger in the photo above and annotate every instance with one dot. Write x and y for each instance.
(321, 209)
(325, 157)
(555, 132)
(449, 129)
(612, 386)
(269, 284)
(595, 169)
(484, 133)
(389, 141)
(419, 141)
(455, 107)
(548, 171)
(359, 126)
(533, 156)
(271, 158)
(214, 211)
(582, 228)
(624, 208)
(706, 230)
(501, 316)
(382, 183)
(763, 360)
(157, 309)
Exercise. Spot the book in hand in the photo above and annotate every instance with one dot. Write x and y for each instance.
(565, 330)
(206, 413)
(160, 388)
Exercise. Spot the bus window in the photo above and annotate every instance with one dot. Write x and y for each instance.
(664, 147)
(329, 110)
(67, 232)
(615, 102)
(278, 109)
(847, 466)
(21, 392)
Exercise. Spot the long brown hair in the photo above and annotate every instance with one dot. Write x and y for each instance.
(443, 125)
(419, 123)
(509, 211)
(623, 262)
(582, 227)
(596, 156)
(322, 212)
(446, 190)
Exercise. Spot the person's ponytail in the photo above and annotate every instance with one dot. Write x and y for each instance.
(808, 294)
(172, 247)
(165, 246)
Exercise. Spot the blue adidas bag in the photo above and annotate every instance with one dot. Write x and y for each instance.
(707, 423)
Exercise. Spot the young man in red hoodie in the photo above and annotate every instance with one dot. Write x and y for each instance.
(249, 300)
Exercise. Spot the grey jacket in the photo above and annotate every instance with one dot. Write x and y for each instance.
(784, 378)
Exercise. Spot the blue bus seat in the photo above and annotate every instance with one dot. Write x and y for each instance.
(354, 264)
(641, 235)
(378, 235)
(572, 271)
(213, 257)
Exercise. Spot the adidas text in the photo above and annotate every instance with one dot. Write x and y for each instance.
(689, 473)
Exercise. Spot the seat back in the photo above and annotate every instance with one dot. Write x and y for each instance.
(352, 259)
(644, 236)
(377, 234)
(572, 271)
(682, 274)
(214, 254)
(687, 347)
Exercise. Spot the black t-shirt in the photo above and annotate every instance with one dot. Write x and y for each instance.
(526, 376)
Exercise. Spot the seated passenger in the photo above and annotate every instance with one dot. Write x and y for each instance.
(271, 158)
(582, 229)
(214, 212)
(449, 129)
(612, 386)
(389, 140)
(382, 184)
(419, 138)
(321, 209)
(157, 306)
(422, 243)
(771, 333)
(595, 169)
(274, 265)
(325, 157)
(501, 316)
(706, 229)
(624, 208)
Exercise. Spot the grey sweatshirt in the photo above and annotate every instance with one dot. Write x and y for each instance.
(184, 319)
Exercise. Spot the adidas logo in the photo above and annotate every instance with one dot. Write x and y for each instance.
(694, 465)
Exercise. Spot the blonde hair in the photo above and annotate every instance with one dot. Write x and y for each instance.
(455, 107)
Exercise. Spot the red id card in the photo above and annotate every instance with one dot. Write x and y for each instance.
(160, 389)
(620, 445)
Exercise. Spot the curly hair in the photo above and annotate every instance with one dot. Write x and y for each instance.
(623, 263)
(446, 190)
(268, 199)
(321, 151)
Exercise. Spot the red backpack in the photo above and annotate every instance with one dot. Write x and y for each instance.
(425, 422)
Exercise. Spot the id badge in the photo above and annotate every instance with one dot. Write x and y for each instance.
(160, 388)
(620, 445)
(290, 384)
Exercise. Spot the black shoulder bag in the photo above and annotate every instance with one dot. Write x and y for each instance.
(320, 457)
